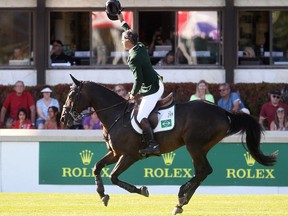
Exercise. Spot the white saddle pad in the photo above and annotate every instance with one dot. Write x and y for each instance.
(166, 120)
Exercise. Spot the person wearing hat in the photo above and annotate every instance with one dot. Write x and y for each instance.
(280, 122)
(42, 106)
(147, 83)
(57, 55)
(268, 109)
(15, 101)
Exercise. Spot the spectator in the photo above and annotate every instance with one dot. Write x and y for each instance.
(202, 92)
(42, 106)
(268, 109)
(121, 91)
(17, 54)
(169, 59)
(54, 119)
(156, 40)
(92, 121)
(230, 100)
(280, 122)
(22, 122)
(57, 55)
(14, 101)
(249, 52)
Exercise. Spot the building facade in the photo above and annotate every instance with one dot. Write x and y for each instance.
(187, 40)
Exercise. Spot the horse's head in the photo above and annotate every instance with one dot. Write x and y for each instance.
(74, 104)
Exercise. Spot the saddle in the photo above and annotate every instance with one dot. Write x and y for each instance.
(161, 104)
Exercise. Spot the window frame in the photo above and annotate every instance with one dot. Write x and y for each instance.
(270, 10)
(135, 26)
(31, 39)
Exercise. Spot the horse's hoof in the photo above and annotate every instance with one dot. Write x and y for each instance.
(144, 191)
(177, 210)
(105, 199)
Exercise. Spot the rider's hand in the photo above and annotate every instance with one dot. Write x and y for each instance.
(131, 97)
(120, 17)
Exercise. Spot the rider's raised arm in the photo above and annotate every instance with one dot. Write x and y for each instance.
(124, 25)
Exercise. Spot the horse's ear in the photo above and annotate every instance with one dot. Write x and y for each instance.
(77, 82)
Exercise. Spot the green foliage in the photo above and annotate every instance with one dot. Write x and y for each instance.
(252, 94)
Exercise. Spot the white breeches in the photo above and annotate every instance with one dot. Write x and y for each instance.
(148, 103)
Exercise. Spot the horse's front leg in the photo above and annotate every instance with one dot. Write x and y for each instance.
(124, 162)
(108, 159)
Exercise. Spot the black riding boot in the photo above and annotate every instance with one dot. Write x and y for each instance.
(153, 147)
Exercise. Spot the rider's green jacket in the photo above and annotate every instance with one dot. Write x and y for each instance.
(146, 78)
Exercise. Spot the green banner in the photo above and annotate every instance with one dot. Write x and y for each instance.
(72, 163)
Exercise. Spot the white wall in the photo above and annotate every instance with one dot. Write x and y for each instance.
(9, 77)
(261, 75)
(138, 3)
(111, 76)
(263, 3)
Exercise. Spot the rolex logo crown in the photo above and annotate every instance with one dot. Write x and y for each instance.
(168, 158)
(86, 156)
(249, 159)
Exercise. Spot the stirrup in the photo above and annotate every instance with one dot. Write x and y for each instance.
(150, 150)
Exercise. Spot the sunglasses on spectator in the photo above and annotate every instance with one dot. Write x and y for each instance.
(220, 90)
(276, 96)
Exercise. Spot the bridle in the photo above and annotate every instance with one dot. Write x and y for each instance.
(76, 116)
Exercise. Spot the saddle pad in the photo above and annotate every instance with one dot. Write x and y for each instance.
(166, 120)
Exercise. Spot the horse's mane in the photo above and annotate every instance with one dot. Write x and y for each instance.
(108, 92)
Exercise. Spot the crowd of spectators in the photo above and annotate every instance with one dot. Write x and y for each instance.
(20, 111)
(273, 114)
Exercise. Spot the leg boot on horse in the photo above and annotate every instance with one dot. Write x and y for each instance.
(148, 137)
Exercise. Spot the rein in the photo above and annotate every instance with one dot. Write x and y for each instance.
(126, 110)
(110, 107)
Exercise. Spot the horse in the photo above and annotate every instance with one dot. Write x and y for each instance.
(199, 126)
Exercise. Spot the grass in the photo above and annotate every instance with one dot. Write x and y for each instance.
(48, 204)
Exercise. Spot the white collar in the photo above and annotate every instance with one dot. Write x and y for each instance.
(130, 50)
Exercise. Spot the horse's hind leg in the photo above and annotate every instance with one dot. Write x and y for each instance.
(202, 169)
(124, 162)
(109, 158)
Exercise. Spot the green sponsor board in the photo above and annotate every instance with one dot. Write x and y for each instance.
(72, 163)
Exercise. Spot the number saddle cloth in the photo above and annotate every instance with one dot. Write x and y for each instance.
(162, 118)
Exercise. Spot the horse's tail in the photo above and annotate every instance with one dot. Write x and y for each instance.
(244, 123)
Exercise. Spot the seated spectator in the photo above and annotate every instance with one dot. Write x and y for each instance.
(17, 54)
(156, 40)
(249, 52)
(42, 106)
(92, 121)
(57, 55)
(280, 122)
(202, 92)
(121, 91)
(22, 122)
(268, 109)
(230, 100)
(14, 101)
(54, 119)
(169, 59)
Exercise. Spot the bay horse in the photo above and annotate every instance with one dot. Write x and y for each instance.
(198, 125)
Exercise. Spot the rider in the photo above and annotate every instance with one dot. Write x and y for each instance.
(147, 82)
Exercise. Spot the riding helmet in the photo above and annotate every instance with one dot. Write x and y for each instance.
(113, 7)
